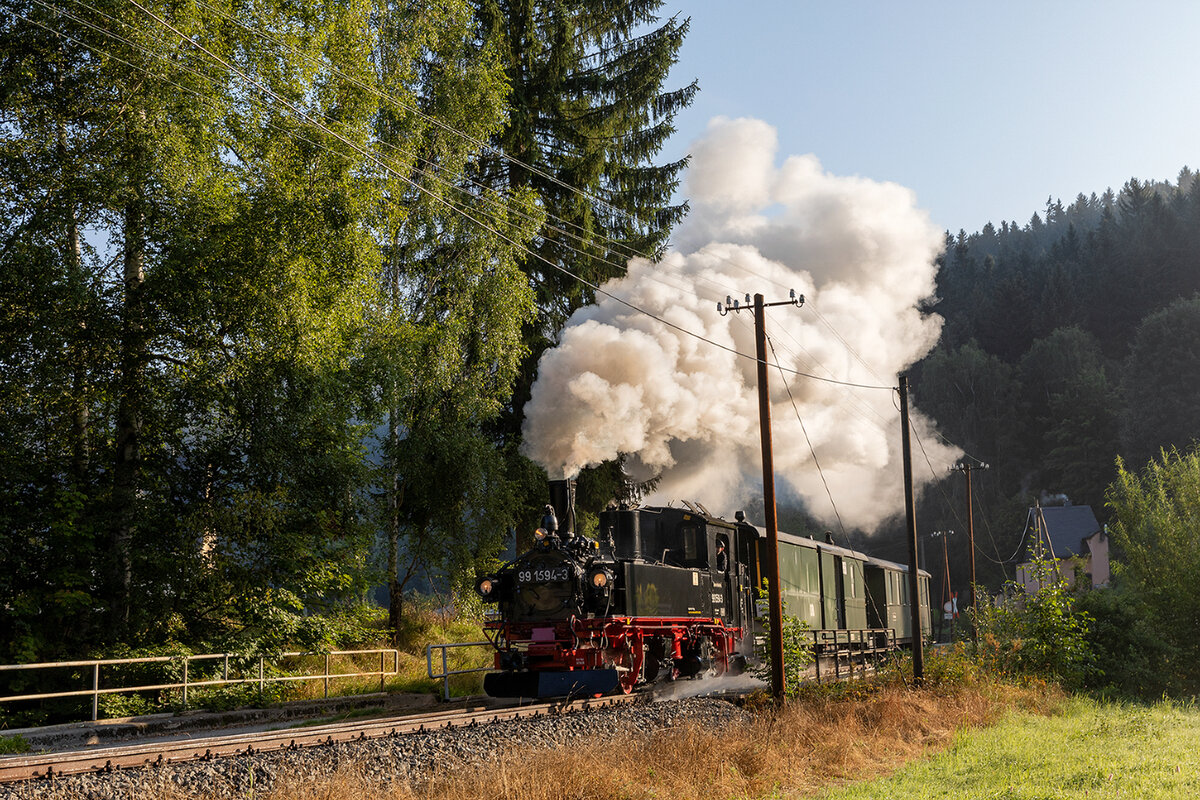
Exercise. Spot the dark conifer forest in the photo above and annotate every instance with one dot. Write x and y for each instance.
(1070, 341)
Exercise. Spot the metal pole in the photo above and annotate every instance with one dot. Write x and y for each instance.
(774, 593)
(381, 671)
(327, 676)
(910, 514)
(95, 692)
(185, 683)
(966, 469)
(949, 592)
(971, 544)
(445, 674)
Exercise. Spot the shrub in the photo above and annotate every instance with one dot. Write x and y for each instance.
(1156, 528)
(1130, 656)
(1039, 633)
(797, 652)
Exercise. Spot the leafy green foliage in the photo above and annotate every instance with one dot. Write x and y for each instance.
(1036, 632)
(1161, 382)
(211, 305)
(1156, 528)
(1129, 649)
(588, 113)
(13, 744)
(797, 652)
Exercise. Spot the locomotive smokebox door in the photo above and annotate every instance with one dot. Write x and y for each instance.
(562, 497)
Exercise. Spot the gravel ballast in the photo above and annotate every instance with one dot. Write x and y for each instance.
(406, 757)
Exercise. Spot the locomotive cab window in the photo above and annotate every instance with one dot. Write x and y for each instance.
(693, 551)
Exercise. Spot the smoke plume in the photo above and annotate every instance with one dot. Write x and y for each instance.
(861, 253)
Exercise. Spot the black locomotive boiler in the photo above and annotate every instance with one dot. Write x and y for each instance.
(667, 593)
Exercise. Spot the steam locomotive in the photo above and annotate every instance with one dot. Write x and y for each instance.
(666, 593)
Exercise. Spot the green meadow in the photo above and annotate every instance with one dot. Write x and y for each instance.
(1092, 750)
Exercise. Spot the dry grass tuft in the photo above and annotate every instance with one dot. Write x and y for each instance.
(807, 745)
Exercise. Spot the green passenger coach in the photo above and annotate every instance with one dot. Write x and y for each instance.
(833, 588)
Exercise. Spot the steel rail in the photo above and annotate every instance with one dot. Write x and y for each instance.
(15, 769)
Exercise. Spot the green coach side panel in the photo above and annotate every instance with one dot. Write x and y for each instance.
(898, 611)
(856, 595)
(876, 597)
(800, 583)
(829, 590)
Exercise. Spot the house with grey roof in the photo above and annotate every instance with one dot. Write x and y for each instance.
(1072, 538)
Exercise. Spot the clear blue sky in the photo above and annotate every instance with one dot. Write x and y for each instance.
(982, 109)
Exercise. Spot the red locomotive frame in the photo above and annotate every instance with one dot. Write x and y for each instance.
(614, 643)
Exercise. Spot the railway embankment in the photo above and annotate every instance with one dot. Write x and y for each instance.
(390, 765)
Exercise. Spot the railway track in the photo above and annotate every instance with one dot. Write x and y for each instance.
(15, 769)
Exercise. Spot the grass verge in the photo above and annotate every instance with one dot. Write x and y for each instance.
(1091, 750)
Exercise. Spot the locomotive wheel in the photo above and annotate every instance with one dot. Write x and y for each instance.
(628, 663)
(658, 665)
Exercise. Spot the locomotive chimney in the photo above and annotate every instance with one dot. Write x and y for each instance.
(562, 497)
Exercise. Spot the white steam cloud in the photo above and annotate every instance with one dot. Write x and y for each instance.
(862, 254)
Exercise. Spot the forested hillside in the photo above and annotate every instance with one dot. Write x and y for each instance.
(1069, 341)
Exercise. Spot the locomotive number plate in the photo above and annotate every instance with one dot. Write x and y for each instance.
(544, 575)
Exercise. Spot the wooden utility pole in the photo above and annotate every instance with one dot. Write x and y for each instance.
(774, 591)
(910, 513)
(967, 469)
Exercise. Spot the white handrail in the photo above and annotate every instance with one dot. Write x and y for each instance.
(261, 679)
(446, 671)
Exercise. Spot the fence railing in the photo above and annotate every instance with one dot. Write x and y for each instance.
(258, 674)
(856, 645)
(446, 671)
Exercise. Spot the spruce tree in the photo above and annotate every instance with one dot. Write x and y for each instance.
(588, 113)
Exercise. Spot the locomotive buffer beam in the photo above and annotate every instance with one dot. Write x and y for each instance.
(552, 683)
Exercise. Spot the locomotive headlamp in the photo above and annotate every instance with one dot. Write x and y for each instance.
(487, 586)
(540, 534)
(600, 579)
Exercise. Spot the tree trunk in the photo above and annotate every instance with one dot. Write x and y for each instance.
(131, 386)
(73, 256)
(395, 497)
